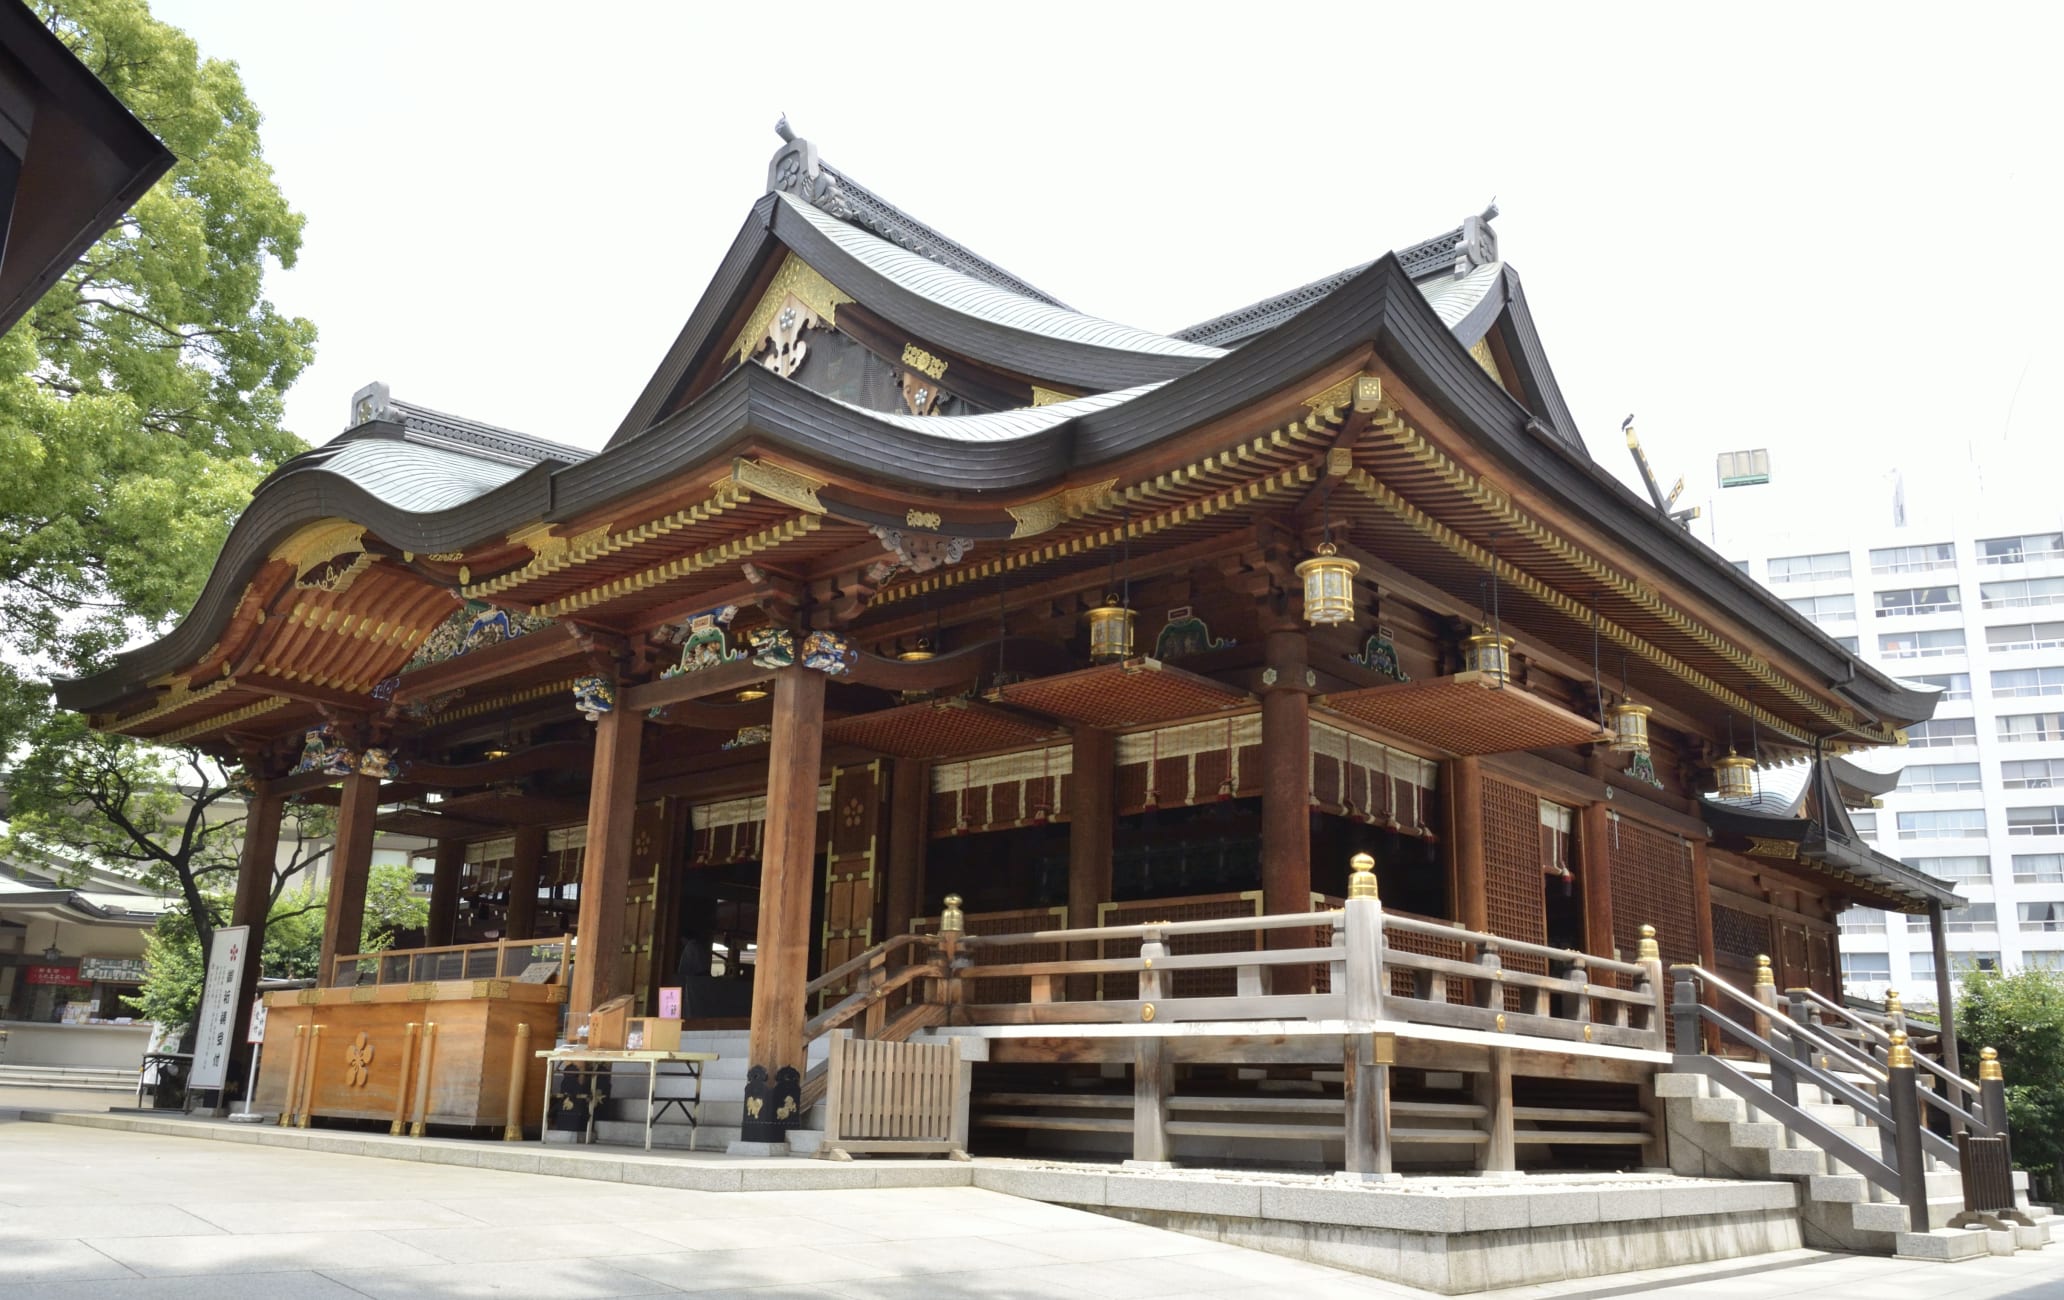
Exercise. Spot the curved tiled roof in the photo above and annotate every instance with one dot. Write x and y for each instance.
(964, 293)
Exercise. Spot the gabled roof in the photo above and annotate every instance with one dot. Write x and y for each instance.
(1816, 821)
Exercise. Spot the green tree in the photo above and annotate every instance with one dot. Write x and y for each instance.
(293, 941)
(2022, 1015)
(140, 400)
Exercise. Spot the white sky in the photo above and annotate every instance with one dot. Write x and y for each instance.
(1818, 228)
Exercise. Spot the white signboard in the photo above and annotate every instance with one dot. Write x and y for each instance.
(257, 1034)
(214, 1036)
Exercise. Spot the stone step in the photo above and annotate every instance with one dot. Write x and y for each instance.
(1675, 1085)
(1943, 1244)
(1719, 1110)
(1797, 1162)
(1890, 1216)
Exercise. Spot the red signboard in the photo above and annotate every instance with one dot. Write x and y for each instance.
(50, 975)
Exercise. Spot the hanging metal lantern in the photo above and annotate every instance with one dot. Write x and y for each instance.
(919, 651)
(748, 694)
(1490, 654)
(1110, 630)
(1630, 727)
(1328, 587)
(1736, 776)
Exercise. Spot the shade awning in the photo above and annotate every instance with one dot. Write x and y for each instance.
(1468, 713)
(1132, 693)
(937, 729)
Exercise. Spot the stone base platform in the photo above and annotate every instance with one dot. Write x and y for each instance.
(1453, 1236)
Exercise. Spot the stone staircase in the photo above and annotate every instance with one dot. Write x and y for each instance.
(622, 1120)
(69, 1078)
(1714, 1133)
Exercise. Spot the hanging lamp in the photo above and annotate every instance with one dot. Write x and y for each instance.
(1629, 720)
(1489, 652)
(1734, 775)
(1110, 624)
(747, 694)
(1328, 578)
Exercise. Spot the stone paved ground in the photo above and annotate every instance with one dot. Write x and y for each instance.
(127, 1216)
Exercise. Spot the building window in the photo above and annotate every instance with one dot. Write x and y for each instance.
(1913, 559)
(1866, 967)
(1944, 824)
(1970, 917)
(1744, 468)
(2043, 819)
(1960, 963)
(2025, 636)
(1939, 732)
(2014, 550)
(1846, 642)
(2041, 917)
(1865, 823)
(1954, 687)
(1862, 920)
(1839, 608)
(1940, 778)
(2039, 868)
(1742, 565)
(1963, 869)
(2032, 774)
(2019, 683)
(1919, 600)
(2021, 593)
(1809, 568)
(2043, 959)
(2028, 728)
(1921, 645)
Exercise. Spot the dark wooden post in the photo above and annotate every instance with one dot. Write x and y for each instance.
(1500, 1155)
(795, 753)
(1594, 878)
(527, 856)
(444, 893)
(262, 817)
(1945, 995)
(1992, 1097)
(606, 864)
(1090, 828)
(1464, 779)
(1902, 1093)
(1286, 797)
(910, 791)
(350, 862)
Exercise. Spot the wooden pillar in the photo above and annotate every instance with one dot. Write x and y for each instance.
(1464, 779)
(1594, 878)
(1494, 1093)
(606, 866)
(255, 867)
(527, 858)
(910, 801)
(1702, 903)
(676, 829)
(1286, 785)
(1091, 822)
(444, 893)
(1945, 995)
(795, 752)
(350, 861)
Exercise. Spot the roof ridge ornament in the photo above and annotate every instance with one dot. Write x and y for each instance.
(796, 170)
(1478, 245)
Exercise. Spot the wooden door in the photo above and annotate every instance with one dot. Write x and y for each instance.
(850, 858)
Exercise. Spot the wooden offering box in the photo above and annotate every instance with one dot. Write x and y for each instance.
(449, 1052)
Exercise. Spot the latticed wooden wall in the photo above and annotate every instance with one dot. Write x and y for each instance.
(1652, 885)
(1404, 983)
(1197, 907)
(1002, 791)
(1739, 937)
(1513, 897)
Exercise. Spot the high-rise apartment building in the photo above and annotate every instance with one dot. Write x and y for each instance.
(1969, 600)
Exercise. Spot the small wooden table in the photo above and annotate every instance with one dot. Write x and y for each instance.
(690, 1107)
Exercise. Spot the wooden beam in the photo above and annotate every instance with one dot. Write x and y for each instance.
(486, 665)
(350, 862)
(724, 679)
(444, 894)
(1463, 778)
(788, 852)
(555, 757)
(606, 868)
(1286, 795)
(1091, 825)
(527, 857)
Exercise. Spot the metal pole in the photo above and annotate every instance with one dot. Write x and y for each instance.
(1906, 1139)
(247, 1115)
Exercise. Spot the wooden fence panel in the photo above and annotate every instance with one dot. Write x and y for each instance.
(890, 1097)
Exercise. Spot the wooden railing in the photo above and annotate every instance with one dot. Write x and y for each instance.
(1371, 974)
(505, 959)
(1951, 1096)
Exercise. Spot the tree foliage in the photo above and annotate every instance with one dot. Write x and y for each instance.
(293, 941)
(2022, 1015)
(140, 400)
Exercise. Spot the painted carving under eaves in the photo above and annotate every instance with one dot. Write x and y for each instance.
(474, 627)
(705, 641)
(1379, 654)
(1185, 634)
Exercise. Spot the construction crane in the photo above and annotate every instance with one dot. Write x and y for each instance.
(1682, 518)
